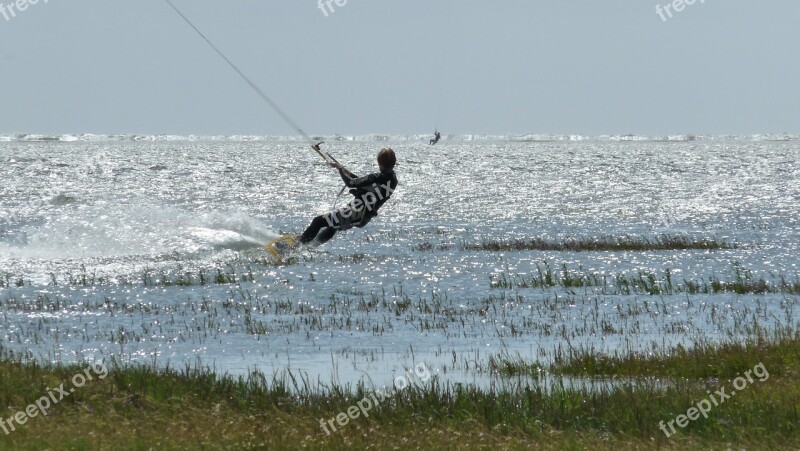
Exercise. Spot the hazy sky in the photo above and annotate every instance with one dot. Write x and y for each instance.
(379, 66)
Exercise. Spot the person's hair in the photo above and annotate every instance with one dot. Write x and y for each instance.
(386, 158)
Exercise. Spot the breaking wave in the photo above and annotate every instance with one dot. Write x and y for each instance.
(530, 137)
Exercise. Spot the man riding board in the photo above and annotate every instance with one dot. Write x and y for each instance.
(370, 193)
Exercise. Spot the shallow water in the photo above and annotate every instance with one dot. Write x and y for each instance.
(90, 228)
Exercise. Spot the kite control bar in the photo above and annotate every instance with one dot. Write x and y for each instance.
(325, 154)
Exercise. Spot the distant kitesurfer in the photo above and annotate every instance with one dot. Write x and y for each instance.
(436, 138)
(370, 193)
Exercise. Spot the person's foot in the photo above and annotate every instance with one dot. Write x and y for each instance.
(302, 239)
(284, 245)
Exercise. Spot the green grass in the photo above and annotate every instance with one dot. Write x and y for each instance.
(778, 350)
(738, 280)
(780, 353)
(148, 278)
(588, 244)
(608, 243)
(145, 408)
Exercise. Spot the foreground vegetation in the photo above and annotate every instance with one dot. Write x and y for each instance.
(588, 244)
(738, 280)
(599, 244)
(145, 408)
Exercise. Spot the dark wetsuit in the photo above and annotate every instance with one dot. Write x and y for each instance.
(436, 138)
(370, 193)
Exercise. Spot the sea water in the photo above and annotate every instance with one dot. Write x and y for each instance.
(150, 250)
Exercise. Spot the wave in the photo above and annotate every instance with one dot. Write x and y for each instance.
(528, 137)
(147, 229)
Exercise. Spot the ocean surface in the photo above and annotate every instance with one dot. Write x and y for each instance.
(149, 249)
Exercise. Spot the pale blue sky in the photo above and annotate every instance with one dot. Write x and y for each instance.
(379, 66)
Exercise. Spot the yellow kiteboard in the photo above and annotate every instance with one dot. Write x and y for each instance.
(283, 246)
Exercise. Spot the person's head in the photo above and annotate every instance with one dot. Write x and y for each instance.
(386, 159)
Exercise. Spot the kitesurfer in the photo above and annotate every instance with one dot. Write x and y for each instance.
(370, 193)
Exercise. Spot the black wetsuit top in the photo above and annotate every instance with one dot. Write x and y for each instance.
(373, 189)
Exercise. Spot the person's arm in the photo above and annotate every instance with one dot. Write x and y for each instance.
(347, 176)
(360, 182)
(353, 181)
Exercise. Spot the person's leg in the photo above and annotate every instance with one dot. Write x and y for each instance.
(326, 235)
(313, 229)
(324, 227)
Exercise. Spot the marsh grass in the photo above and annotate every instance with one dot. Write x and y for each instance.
(10, 280)
(587, 244)
(778, 350)
(229, 275)
(508, 366)
(143, 407)
(184, 279)
(738, 280)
